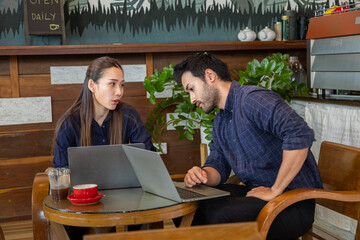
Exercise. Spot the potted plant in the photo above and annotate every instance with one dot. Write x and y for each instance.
(272, 73)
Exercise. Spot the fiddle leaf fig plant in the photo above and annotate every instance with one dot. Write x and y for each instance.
(272, 73)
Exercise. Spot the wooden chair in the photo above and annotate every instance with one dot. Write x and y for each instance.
(228, 231)
(2, 237)
(41, 226)
(340, 172)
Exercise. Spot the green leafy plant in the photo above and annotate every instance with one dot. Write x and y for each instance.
(188, 117)
(272, 73)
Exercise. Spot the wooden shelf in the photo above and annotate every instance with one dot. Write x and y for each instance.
(149, 47)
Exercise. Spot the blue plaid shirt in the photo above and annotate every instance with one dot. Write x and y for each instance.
(250, 134)
(69, 134)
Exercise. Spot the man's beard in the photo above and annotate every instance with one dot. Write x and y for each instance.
(210, 98)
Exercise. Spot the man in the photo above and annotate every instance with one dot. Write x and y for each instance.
(259, 137)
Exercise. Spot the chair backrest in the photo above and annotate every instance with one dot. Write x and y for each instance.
(16, 179)
(203, 153)
(339, 167)
(246, 230)
(41, 228)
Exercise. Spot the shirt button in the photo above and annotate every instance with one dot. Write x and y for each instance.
(103, 140)
(230, 121)
(234, 140)
(103, 126)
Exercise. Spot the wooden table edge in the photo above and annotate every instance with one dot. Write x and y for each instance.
(117, 219)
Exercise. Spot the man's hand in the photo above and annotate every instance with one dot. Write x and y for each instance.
(195, 176)
(290, 167)
(264, 193)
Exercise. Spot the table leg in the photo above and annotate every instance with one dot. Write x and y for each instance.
(121, 228)
(187, 220)
(58, 232)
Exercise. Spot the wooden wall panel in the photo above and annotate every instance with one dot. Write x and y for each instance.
(15, 203)
(25, 144)
(238, 60)
(5, 87)
(142, 106)
(59, 108)
(12, 176)
(188, 156)
(235, 59)
(27, 127)
(164, 59)
(14, 76)
(182, 154)
(42, 64)
(134, 89)
(40, 85)
(4, 66)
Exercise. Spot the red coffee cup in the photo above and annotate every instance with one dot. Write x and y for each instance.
(85, 191)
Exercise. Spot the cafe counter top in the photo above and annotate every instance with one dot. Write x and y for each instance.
(355, 101)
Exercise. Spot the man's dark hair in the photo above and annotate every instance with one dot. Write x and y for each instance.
(198, 63)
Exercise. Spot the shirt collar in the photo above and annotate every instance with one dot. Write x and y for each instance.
(106, 121)
(231, 96)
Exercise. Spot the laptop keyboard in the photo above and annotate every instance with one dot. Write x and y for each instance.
(187, 194)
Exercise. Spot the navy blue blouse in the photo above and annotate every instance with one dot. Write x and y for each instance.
(250, 134)
(69, 134)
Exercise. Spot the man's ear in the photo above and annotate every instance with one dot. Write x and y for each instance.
(91, 85)
(210, 76)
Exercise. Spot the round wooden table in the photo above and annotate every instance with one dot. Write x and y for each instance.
(119, 207)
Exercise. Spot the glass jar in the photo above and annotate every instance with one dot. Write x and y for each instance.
(299, 74)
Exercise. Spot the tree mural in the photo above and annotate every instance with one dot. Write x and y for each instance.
(154, 21)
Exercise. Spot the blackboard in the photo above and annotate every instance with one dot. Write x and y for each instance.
(44, 17)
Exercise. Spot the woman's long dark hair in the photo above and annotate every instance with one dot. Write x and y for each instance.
(84, 105)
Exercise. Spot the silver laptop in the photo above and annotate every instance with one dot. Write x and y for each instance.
(155, 179)
(105, 165)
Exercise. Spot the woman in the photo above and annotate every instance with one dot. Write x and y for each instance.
(98, 117)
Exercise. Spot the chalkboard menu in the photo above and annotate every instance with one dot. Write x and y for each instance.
(44, 17)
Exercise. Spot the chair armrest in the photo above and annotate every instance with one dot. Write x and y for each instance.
(278, 204)
(2, 237)
(39, 192)
(229, 231)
